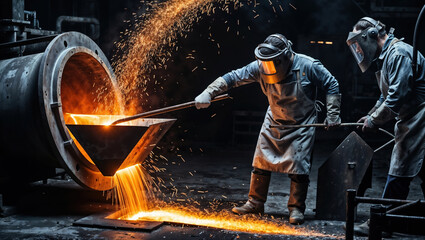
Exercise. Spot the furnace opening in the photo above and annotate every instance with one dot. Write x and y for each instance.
(86, 88)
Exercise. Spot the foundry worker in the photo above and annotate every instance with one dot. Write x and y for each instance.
(289, 80)
(402, 98)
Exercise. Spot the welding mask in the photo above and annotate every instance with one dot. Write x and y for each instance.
(364, 44)
(274, 62)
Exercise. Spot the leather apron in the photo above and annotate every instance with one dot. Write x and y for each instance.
(409, 147)
(286, 150)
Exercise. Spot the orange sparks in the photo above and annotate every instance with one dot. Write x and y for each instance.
(152, 40)
(138, 203)
(223, 220)
(148, 48)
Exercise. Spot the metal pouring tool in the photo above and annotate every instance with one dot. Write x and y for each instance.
(166, 110)
(341, 125)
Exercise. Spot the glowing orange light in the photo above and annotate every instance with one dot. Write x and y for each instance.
(268, 67)
(320, 42)
(87, 119)
(328, 43)
(223, 220)
(90, 119)
(134, 189)
(137, 203)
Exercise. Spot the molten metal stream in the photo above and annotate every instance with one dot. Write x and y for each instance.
(134, 190)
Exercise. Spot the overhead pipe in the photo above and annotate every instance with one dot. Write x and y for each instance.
(415, 41)
(72, 19)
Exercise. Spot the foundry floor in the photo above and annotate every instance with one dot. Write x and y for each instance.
(48, 211)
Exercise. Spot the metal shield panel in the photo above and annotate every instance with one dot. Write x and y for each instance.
(344, 169)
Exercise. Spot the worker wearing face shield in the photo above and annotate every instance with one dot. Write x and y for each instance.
(290, 81)
(402, 98)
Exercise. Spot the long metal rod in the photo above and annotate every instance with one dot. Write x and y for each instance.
(27, 41)
(315, 125)
(324, 125)
(166, 110)
(384, 200)
(386, 144)
(341, 125)
(406, 217)
(402, 207)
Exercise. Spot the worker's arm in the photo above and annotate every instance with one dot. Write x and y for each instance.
(377, 105)
(400, 75)
(242, 76)
(235, 78)
(322, 78)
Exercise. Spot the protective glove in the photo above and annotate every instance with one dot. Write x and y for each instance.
(383, 114)
(217, 87)
(361, 120)
(203, 100)
(368, 125)
(333, 103)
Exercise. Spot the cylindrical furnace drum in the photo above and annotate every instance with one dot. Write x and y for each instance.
(71, 76)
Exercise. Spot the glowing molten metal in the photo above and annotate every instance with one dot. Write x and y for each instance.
(137, 201)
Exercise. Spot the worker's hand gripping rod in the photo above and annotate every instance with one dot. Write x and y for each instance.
(341, 125)
(166, 110)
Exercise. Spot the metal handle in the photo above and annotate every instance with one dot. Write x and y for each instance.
(324, 125)
(167, 109)
(314, 125)
(341, 125)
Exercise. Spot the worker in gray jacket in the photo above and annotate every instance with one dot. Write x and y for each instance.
(289, 80)
(402, 98)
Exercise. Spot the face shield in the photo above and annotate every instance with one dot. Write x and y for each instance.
(273, 67)
(363, 47)
(267, 67)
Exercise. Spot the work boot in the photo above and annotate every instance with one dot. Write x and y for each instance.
(363, 230)
(257, 196)
(249, 207)
(296, 217)
(297, 197)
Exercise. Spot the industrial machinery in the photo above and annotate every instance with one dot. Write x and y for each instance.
(48, 80)
(38, 93)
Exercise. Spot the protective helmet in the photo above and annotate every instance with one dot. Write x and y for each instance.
(274, 58)
(364, 44)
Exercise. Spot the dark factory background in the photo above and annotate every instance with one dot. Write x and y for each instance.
(317, 28)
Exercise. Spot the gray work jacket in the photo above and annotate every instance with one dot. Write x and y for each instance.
(291, 101)
(405, 96)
